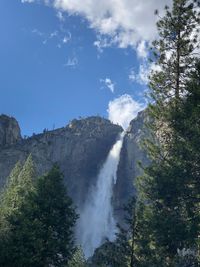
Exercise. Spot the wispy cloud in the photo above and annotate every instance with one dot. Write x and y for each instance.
(142, 76)
(122, 23)
(72, 62)
(101, 43)
(45, 36)
(27, 1)
(59, 37)
(38, 32)
(123, 109)
(53, 34)
(67, 38)
(109, 84)
(60, 16)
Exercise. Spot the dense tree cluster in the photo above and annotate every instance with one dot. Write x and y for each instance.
(169, 191)
(37, 219)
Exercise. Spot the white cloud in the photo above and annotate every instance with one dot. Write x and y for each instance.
(123, 109)
(145, 69)
(132, 75)
(142, 77)
(109, 84)
(155, 67)
(101, 42)
(142, 49)
(125, 22)
(118, 22)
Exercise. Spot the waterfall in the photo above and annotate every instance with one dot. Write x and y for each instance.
(96, 221)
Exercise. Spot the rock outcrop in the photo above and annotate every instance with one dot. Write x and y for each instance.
(9, 131)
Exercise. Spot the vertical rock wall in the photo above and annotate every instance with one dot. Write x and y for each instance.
(9, 131)
(128, 169)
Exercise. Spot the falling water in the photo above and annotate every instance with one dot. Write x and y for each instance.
(96, 220)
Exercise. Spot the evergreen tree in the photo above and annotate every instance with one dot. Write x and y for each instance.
(175, 50)
(169, 189)
(19, 184)
(42, 230)
(108, 255)
(144, 243)
(8, 194)
(78, 259)
(175, 54)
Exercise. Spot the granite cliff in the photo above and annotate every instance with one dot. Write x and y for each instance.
(128, 168)
(9, 131)
(79, 149)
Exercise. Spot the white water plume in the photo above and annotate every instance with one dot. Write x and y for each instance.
(97, 220)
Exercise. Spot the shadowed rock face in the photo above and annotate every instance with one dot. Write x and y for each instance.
(9, 131)
(128, 169)
(79, 149)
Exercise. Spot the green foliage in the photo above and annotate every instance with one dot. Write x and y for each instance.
(41, 220)
(78, 259)
(175, 50)
(167, 212)
(19, 185)
(187, 258)
(107, 256)
(169, 190)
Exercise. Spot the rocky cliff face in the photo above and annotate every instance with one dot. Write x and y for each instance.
(128, 168)
(79, 149)
(9, 131)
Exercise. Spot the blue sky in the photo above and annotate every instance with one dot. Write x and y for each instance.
(60, 61)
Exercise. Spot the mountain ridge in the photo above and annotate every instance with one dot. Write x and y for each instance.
(80, 148)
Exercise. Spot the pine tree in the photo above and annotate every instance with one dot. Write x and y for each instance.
(8, 193)
(169, 191)
(170, 217)
(42, 229)
(144, 244)
(7, 206)
(175, 54)
(175, 50)
(19, 184)
(78, 259)
(188, 130)
(108, 255)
